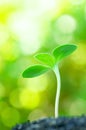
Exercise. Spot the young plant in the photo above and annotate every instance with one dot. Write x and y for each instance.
(50, 61)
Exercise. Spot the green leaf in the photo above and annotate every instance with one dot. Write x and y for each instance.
(45, 58)
(34, 71)
(63, 51)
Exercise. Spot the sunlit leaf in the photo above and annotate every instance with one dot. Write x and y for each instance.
(34, 71)
(63, 51)
(45, 58)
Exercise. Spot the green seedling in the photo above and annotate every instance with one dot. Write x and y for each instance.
(50, 61)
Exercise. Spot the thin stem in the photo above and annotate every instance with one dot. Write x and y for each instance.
(56, 70)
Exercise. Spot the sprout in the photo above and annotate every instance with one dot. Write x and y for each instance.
(50, 61)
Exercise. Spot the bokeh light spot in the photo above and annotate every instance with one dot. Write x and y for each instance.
(10, 116)
(29, 100)
(36, 114)
(77, 107)
(66, 24)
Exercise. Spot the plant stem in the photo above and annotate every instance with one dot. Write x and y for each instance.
(56, 70)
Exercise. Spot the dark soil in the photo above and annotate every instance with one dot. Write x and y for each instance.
(61, 123)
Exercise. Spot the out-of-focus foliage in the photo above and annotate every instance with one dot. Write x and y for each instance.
(30, 26)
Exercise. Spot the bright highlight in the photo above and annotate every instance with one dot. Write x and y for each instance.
(27, 31)
(29, 100)
(66, 24)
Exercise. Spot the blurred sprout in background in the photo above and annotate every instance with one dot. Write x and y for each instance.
(28, 27)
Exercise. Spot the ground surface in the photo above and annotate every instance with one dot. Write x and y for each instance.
(61, 123)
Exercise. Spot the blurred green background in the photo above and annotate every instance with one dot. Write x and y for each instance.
(31, 26)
